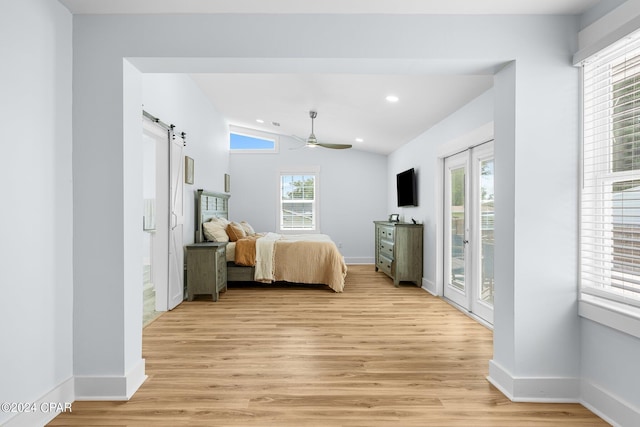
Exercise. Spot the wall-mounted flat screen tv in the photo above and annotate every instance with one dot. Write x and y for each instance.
(406, 186)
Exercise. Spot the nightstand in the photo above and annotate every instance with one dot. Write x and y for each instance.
(206, 269)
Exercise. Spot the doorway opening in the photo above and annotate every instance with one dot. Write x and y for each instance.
(163, 218)
(154, 222)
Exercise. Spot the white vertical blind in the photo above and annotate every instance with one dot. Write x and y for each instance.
(610, 210)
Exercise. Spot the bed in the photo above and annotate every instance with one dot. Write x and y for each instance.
(269, 257)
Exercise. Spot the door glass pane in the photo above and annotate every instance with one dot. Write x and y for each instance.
(486, 225)
(457, 210)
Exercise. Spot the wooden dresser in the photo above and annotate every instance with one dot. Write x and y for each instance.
(399, 251)
(206, 269)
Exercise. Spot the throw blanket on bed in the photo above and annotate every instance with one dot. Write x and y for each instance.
(264, 257)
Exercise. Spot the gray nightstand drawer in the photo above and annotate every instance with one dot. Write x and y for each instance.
(206, 269)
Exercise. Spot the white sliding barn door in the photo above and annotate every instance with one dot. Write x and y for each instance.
(176, 222)
(159, 237)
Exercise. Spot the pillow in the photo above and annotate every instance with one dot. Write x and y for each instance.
(248, 229)
(215, 230)
(235, 231)
(221, 220)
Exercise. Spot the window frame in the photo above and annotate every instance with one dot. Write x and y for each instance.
(302, 171)
(600, 301)
(254, 133)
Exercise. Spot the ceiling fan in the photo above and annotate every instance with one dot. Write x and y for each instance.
(312, 142)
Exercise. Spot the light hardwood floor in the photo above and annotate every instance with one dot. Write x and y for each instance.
(375, 355)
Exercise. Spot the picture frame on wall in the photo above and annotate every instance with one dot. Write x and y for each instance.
(188, 170)
(227, 183)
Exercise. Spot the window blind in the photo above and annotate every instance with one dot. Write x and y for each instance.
(610, 203)
(298, 202)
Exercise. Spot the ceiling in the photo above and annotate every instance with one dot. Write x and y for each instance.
(349, 106)
(492, 7)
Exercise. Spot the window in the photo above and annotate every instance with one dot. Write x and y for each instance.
(610, 207)
(243, 140)
(298, 201)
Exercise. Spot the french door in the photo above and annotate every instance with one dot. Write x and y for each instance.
(468, 230)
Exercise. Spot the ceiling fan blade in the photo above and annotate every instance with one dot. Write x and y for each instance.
(312, 142)
(335, 146)
(297, 138)
(301, 143)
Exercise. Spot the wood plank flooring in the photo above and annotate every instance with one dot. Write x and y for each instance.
(266, 355)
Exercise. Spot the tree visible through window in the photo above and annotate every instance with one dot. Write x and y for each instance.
(298, 202)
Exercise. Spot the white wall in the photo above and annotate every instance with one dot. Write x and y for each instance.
(36, 217)
(352, 194)
(176, 99)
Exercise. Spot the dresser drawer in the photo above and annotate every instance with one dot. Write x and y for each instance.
(386, 233)
(384, 264)
(385, 247)
(221, 270)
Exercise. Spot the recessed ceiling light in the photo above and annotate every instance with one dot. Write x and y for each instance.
(359, 140)
(392, 98)
(259, 120)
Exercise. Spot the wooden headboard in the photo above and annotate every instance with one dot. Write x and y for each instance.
(209, 205)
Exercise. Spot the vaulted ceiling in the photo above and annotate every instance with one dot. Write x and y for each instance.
(349, 106)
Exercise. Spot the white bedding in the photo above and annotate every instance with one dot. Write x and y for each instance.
(264, 257)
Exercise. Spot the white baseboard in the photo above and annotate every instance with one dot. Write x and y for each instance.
(534, 389)
(110, 387)
(610, 408)
(45, 409)
(359, 260)
(429, 286)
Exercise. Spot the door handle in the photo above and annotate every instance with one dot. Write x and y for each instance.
(174, 220)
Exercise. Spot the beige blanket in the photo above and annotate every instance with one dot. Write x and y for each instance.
(312, 258)
(309, 262)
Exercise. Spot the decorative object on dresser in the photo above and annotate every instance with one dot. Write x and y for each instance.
(206, 269)
(399, 251)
